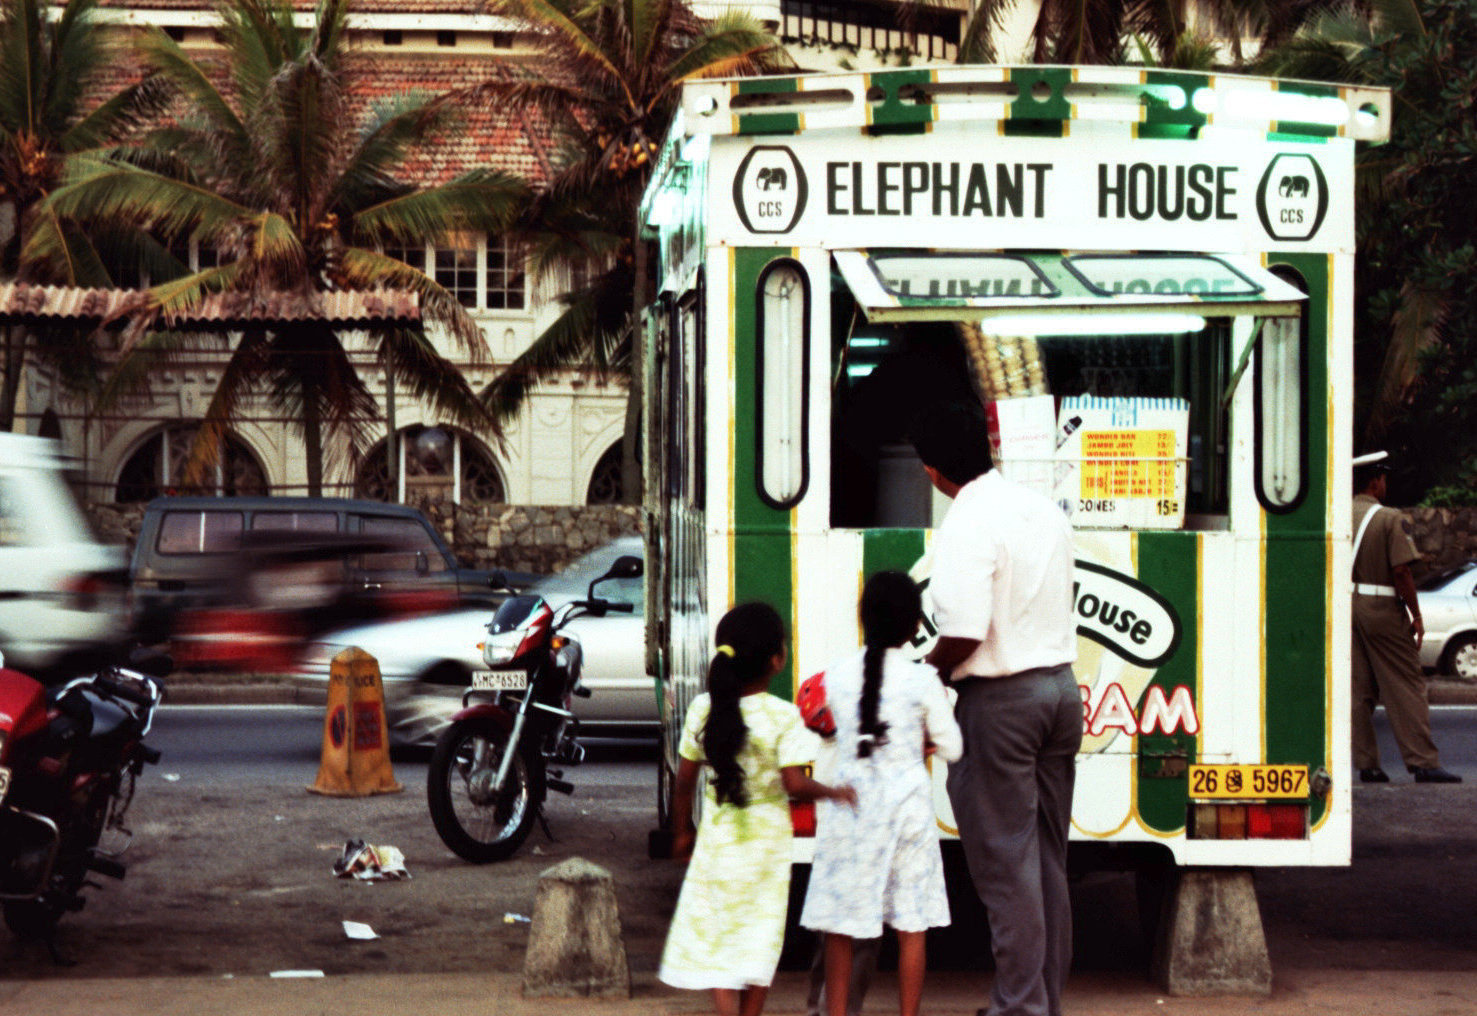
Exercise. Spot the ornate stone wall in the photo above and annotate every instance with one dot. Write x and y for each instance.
(1444, 536)
(516, 537)
(545, 539)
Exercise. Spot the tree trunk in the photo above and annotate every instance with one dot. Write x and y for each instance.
(16, 337)
(631, 443)
(313, 446)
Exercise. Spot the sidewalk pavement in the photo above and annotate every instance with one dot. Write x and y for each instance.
(1296, 993)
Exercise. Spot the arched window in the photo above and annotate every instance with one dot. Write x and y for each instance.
(157, 466)
(436, 458)
(606, 482)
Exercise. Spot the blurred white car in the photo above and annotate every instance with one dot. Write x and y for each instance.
(1449, 610)
(63, 595)
(427, 662)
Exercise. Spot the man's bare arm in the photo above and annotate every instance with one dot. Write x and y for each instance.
(949, 652)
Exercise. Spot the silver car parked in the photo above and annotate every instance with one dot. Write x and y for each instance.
(1449, 610)
(427, 662)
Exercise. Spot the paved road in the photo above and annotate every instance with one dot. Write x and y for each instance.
(269, 744)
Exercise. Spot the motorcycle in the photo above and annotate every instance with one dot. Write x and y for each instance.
(490, 770)
(69, 759)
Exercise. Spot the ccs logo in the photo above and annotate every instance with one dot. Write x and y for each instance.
(770, 190)
(1292, 197)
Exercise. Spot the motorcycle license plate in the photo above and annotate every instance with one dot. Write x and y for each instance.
(499, 680)
(4, 783)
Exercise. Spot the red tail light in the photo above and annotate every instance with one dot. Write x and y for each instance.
(83, 591)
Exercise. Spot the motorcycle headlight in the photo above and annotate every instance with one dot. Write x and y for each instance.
(501, 648)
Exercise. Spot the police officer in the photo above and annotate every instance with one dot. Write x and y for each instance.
(1387, 634)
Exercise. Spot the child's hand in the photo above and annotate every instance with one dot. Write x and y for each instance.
(844, 794)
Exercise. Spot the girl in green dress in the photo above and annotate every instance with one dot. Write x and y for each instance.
(730, 919)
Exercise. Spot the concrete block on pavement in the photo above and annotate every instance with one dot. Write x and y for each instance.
(1211, 941)
(574, 942)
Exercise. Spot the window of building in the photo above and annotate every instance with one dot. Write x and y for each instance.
(502, 40)
(506, 281)
(393, 37)
(157, 467)
(175, 32)
(606, 484)
(415, 257)
(456, 269)
(445, 37)
(468, 471)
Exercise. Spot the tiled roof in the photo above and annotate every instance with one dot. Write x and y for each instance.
(521, 143)
(22, 302)
(470, 7)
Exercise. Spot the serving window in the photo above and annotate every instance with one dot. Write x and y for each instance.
(1103, 378)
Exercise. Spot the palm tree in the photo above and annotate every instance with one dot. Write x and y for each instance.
(1166, 31)
(50, 113)
(272, 164)
(1358, 43)
(608, 76)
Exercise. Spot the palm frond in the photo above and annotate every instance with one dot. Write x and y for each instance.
(428, 376)
(587, 335)
(104, 190)
(481, 199)
(162, 55)
(367, 270)
(1419, 325)
(127, 111)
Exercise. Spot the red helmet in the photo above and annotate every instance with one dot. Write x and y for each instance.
(811, 698)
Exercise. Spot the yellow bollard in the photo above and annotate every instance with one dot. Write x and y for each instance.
(356, 738)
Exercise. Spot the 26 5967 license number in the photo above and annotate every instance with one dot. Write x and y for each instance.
(1248, 782)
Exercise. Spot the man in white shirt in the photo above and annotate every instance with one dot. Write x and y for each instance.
(1002, 591)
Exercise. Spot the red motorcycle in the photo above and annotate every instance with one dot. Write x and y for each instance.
(69, 756)
(489, 773)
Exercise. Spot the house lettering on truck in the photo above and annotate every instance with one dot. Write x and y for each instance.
(1145, 279)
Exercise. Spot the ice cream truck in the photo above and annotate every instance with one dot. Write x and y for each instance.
(1145, 279)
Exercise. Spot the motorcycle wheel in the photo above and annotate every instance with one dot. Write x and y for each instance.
(475, 826)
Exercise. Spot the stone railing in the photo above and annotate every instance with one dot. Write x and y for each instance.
(516, 537)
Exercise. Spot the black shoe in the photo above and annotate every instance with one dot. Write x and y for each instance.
(1435, 774)
(1375, 775)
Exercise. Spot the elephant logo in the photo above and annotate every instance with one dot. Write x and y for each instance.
(1292, 198)
(1293, 187)
(772, 176)
(769, 190)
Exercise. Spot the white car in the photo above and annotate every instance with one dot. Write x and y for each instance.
(63, 595)
(1449, 611)
(426, 663)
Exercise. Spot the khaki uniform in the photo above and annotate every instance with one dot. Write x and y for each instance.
(1387, 665)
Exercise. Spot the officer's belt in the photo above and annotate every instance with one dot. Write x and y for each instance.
(1372, 590)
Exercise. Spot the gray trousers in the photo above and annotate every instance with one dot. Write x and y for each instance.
(1012, 800)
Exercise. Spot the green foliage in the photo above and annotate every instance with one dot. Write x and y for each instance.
(1416, 340)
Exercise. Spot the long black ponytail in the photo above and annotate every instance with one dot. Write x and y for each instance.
(748, 636)
(891, 609)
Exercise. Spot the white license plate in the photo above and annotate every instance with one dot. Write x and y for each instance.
(4, 783)
(499, 680)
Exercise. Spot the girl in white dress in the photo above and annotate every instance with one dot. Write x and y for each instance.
(730, 920)
(878, 863)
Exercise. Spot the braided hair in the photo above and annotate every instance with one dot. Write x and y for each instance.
(891, 609)
(748, 636)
